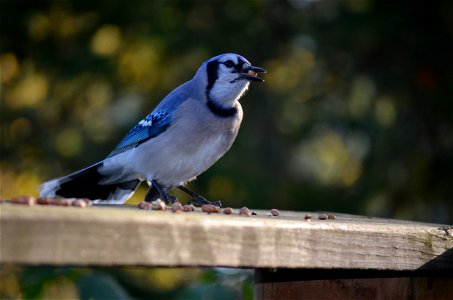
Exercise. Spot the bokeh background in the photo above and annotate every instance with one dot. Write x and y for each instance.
(355, 115)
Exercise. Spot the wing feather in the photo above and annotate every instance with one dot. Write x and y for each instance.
(151, 126)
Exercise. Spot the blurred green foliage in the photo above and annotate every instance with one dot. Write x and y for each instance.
(124, 283)
(355, 115)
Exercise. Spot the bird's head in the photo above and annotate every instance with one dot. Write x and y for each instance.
(228, 77)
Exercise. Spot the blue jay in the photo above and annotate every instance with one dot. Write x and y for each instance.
(188, 131)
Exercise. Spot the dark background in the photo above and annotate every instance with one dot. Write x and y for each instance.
(354, 117)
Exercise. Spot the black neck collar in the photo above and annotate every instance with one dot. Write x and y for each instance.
(221, 111)
(214, 107)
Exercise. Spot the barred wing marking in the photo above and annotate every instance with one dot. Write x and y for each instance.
(151, 126)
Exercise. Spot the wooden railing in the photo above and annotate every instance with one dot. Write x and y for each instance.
(294, 256)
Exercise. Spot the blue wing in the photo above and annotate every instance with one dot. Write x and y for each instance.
(156, 122)
(151, 126)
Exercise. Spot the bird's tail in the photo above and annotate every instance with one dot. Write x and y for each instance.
(87, 183)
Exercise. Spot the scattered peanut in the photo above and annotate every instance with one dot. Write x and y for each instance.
(65, 202)
(188, 208)
(209, 208)
(176, 207)
(307, 217)
(144, 205)
(87, 201)
(80, 203)
(275, 212)
(227, 210)
(45, 201)
(206, 208)
(322, 217)
(26, 200)
(331, 217)
(244, 211)
(158, 205)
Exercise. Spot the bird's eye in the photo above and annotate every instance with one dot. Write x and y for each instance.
(229, 64)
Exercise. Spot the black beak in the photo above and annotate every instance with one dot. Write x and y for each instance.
(251, 73)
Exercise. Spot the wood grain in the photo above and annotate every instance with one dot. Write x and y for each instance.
(105, 236)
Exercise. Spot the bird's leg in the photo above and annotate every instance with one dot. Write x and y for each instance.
(197, 200)
(156, 191)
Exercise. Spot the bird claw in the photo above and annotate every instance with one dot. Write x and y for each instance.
(170, 199)
(199, 201)
(216, 203)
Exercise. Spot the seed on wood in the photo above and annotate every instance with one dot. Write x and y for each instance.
(44, 201)
(144, 205)
(63, 202)
(275, 212)
(206, 208)
(176, 207)
(307, 217)
(227, 210)
(158, 205)
(87, 201)
(209, 208)
(331, 217)
(80, 203)
(322, 216)
(188, 208)
(244, 211)
(26, 200)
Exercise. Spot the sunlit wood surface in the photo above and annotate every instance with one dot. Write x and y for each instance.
(113, 236)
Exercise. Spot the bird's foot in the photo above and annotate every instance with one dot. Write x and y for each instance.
(156, 191)
(170, 199)
(199, 201)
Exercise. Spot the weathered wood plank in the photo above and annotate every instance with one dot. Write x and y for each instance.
(119, 236)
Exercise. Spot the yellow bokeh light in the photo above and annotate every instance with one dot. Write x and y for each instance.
(362, 93)
(351, 173)
(331, 158)
(14, 183)
(29, 92)
(60, 288)
(138, 63)
(293, 73)
(163, 279)
(64, 24)
(9, 67)
(39, 27)
(68, 142)
(106, 41)
(98, 94)
(10, 285)
(385, 111)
